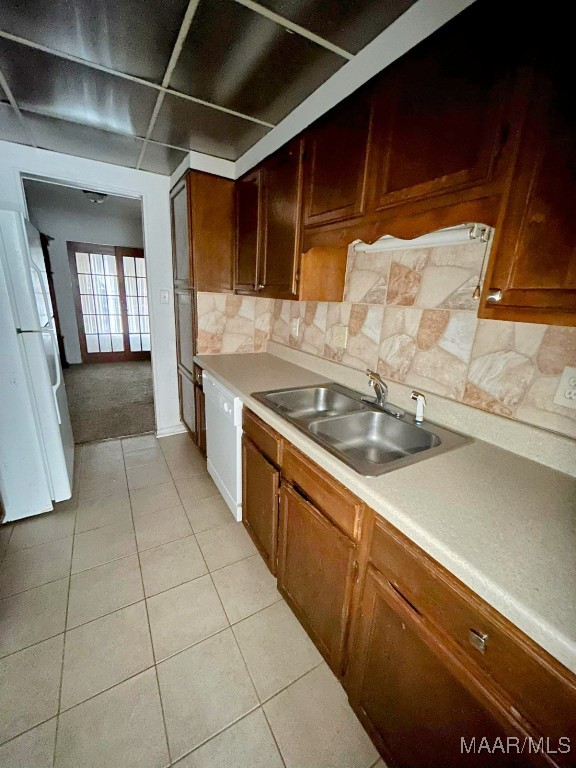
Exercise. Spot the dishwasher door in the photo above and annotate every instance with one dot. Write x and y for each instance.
(223, 442)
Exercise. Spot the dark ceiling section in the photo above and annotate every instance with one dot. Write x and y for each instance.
(239, 59)
(160, 159)
(63, 89)
(184, 123)
(128, 36)
(349, 24)
(10, 126)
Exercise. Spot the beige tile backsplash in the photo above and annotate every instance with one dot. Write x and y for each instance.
(410, 314)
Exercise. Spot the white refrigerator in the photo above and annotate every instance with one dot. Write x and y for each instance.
(36, 442)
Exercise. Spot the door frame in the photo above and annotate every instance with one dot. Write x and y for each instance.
(118, 252)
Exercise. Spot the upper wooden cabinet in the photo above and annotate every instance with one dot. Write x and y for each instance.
(335, 158)
(531, 274)
(249, 232)
(203, 232)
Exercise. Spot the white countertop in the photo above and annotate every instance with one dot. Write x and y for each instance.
(504, 525)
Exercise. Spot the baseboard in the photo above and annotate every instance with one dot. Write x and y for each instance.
(176, 429)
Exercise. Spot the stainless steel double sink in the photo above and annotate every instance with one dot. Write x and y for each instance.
(361, 434)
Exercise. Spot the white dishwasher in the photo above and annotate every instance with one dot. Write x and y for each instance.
(224, 441)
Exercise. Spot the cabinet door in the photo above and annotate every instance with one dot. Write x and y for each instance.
(414, 705)
(185, 328)
(260, 482)
(181, 234)
(212, 212)
(200, 419)
(248, 232)
(187, 401)
(335, 162)
(282, 203)
(531, 275)
(438, 119)
(316, 574)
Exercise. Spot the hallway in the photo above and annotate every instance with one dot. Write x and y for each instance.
(139, 628)
(110, 399)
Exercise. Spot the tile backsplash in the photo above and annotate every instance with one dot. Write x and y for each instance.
(410, 314)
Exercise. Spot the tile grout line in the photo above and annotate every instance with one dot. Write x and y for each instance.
(155, 665)
(81, 460)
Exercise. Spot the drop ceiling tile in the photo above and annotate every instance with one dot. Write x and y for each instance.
(163, 160)
(184, 123)
(62, 89)
(238, 59)
(128, 36)
(347, 23)
(84, 141)
(10, 126)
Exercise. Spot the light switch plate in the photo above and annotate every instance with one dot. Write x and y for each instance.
(164, 297)
(295, 327)
(340, 336)
(566, 391)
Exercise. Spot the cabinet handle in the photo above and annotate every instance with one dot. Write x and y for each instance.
(494, 295)
(478, 640)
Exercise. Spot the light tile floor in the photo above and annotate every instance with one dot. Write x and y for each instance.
(139, 628)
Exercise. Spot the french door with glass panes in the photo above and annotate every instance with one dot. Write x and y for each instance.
(111, 297)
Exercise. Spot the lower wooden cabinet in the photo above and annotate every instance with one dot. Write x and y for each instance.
(187, 401)
(317, 569)
(199, 434)
(411, 695)
(260, 484)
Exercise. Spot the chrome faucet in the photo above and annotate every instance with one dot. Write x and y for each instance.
(381, 391)
(379, 386)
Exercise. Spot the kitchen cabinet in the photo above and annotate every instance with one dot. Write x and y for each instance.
(203, 232)
(531, 274)
(260, 486)
(200, 411)
(335, 162)
(187, 400)
(249, 232)
(185, 328)
(317, 569)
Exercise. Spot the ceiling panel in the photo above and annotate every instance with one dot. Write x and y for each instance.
(63, 89)
(83, 141)
(164, 160)
(184, 123)
(10, 126)
(129, 35)
(347, 23)
(238, 59)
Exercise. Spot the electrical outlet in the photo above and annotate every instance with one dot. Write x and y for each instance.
(566, 391)
(295, 327)
(340, 336)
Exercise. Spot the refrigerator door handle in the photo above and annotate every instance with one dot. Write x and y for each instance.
(56, 386)
(47, 305)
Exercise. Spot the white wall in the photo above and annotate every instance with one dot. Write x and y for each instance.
(153, 190)
(55, 211)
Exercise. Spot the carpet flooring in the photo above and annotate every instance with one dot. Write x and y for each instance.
(110, 399)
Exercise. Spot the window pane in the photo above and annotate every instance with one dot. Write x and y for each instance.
(90, 324)
(129, 268)
(142, 288)
(82, 263)
(87, 305)
(109, 264)
(130, 284)
(105, 343)
(114, 305)
(115, 324)
(103, 324)
(85, 282)
(132, 304)
(101, 305)
(140, 267)
(135, 342)
(92, 343)
(146, 342)
(99, 283)
(96, 263)
(143, 306)
(112, 285)
(144, 324)
(117, 342)
(133, 324)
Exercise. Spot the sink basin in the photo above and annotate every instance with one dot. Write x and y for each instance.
(313, 402)
(356, 431)
(373, 437)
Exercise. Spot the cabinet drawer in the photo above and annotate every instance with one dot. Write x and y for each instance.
(543, 691)
(267, 440)
(335, 501)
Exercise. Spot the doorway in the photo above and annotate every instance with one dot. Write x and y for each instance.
(101, 287)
